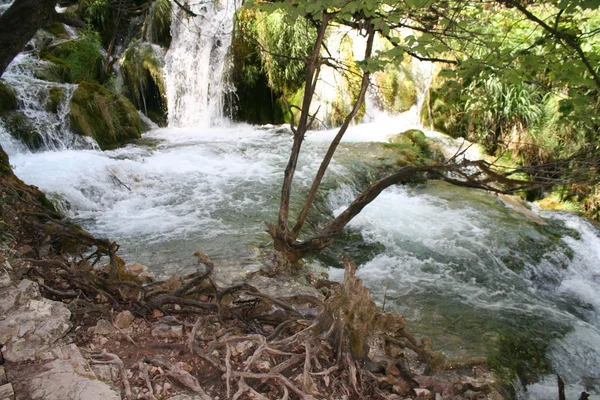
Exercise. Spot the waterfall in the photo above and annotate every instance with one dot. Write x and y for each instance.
(196, 63)
(44, 104)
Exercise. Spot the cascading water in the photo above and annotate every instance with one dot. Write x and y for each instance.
(465, 269)
(44, 104)
(196, 61)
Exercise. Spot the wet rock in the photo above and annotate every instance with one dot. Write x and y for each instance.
(166, 331)
(124, 319)
(33, 328)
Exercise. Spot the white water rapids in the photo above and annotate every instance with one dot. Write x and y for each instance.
(465, 269)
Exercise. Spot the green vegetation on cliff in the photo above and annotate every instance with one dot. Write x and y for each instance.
(142, 68)
(267, 50)
(105, 116)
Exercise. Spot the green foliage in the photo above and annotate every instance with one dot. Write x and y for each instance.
(77, 60)
(105, 116)
(100, 14)
(263, 72)
(8, 98)
(285, 43)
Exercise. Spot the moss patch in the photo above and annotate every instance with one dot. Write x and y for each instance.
(57, 29)
(20, 127)
(55, 97)
(8, 98)
(78, 60)
(105, 116)
(54, 70)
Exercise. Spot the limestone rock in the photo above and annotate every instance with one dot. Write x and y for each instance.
(103, 327)
(12, 297)
(12, 271)
(124, 319)
(165, 331)
(33, 328)
(67, 377)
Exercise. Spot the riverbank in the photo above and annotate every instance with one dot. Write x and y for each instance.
(71, 329)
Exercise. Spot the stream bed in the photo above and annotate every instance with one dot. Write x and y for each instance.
(465, 269)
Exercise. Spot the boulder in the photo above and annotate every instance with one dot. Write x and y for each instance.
(34, 328)
(166, 331)
(105, 116)
(69, 376)
(124, 319)
(8, 98)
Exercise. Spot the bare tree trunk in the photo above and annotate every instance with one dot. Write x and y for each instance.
(19, 23)
(330, 232)
(311, 76)
(336, 141)
(22, 20)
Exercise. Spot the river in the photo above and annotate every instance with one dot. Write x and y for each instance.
(466, 269)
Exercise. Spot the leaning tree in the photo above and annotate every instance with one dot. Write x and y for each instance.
(447, 32)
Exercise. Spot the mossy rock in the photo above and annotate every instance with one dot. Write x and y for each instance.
(413, 145)
(8, 98)
(82, 58)
(142, 69)
(20, 127)
(57, 29)
(54, 70)
(55, 96)
(105, 116)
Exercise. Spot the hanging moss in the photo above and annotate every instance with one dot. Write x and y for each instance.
(262, 79)
(348, 88)
(157, 27)
(19, 126)
(396, 88)
(105, 116)
(55, 97)
(8, 98)
(142, 68)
